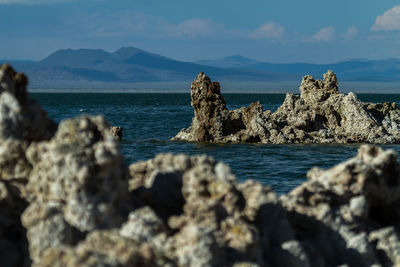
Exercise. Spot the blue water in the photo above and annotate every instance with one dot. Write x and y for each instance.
(150, 120)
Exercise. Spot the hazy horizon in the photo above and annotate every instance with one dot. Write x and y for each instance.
(226, 87)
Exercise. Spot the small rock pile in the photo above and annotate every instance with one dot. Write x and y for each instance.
(68, 199)
(319, 115)
(116, 131)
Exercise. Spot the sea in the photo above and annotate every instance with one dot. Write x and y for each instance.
(150, 120)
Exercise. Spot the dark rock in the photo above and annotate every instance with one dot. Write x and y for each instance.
(22, 122)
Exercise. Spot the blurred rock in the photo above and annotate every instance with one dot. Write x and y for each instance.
(100, 248)
(116, 131)
(22, 122)
(14, 244)
(339, 214)
(78, 183)
(216, 220)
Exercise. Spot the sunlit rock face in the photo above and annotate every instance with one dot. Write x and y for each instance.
(320, 114)
(68, 199)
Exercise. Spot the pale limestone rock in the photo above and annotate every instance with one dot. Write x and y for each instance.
(100, 248)
(319, 115)
(82, 168)
(47, 228)
(143, 225)
(22, 121)
(344, 206)
(116, 131)
(194, 246)
(388, 241)
(218, 221)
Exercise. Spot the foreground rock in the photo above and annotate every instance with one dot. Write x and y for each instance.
(22, 122)
(319, 115)
(350, 213)
(69, 200)
(190, 211)
(78, 184)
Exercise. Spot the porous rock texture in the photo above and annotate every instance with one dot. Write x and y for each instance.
(350, 214)
(320, 114)
(78, 204)
(22, 121)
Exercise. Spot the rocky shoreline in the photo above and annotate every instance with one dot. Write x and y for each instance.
(68, 199)
(320, 114)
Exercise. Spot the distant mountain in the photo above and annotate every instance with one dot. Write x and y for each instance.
(236, 61)
(130, 64)
(350, 70)
(126, 52)
(84, 58)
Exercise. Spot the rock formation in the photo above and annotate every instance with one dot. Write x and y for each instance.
(116, 131)
(319, 115)
(22, 122)
(349, 214)
(190, 211)
(68, 199)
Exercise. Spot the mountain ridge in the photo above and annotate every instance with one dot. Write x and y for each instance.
(131, 64)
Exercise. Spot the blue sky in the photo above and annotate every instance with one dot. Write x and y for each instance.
(315, 31)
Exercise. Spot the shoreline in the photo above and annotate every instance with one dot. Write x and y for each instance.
(96, 91)
(229, 87)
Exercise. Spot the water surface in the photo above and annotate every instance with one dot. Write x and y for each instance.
(150, 120)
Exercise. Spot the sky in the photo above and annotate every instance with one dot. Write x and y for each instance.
(278, 31)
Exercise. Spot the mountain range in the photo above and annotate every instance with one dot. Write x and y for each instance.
(349, 70)
(131, 65)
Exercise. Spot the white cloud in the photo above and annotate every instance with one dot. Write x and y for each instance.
(390, 20)
(127, 23)
(351, 33)
(268, 30)
(326, 34)
(195, 28)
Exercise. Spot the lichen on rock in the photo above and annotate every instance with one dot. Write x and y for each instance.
(320, 114)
